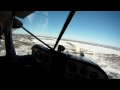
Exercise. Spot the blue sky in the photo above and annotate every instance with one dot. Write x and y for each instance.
(102, 27)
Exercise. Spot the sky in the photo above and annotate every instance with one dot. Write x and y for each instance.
(101, 27)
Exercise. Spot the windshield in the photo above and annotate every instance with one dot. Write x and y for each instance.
(95, 33)
(46, 25)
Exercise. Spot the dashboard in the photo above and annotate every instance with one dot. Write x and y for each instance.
(62, 65)
(42, 56)
(76, 70)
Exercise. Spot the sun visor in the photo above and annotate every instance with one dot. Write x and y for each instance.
(23, 14)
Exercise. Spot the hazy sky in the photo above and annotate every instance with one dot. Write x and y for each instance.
(102, 27)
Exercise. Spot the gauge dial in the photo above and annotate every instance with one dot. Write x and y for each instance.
(72, 67)
(94, 75)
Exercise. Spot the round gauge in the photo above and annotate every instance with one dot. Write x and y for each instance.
(35, 54)
(40, 57)
(46, 59)
(83, 71)
(94, 75)
(72, 67)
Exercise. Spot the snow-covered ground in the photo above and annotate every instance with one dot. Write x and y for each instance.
(2, 48)
(107, 58)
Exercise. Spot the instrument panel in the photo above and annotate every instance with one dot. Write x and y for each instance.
(74, 68)
(77, 70)
(42, 57)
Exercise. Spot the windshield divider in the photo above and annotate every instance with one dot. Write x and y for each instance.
(69, 18)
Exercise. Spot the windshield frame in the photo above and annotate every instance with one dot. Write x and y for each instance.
(67, 21)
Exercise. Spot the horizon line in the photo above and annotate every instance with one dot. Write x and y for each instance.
(80, 41)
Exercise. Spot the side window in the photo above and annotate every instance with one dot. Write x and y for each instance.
(2, 46)
(22, 42)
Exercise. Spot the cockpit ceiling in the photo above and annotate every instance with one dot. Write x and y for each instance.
(7, 14)
(23, 14)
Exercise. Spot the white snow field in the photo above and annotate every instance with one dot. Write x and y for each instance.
(107, 58)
